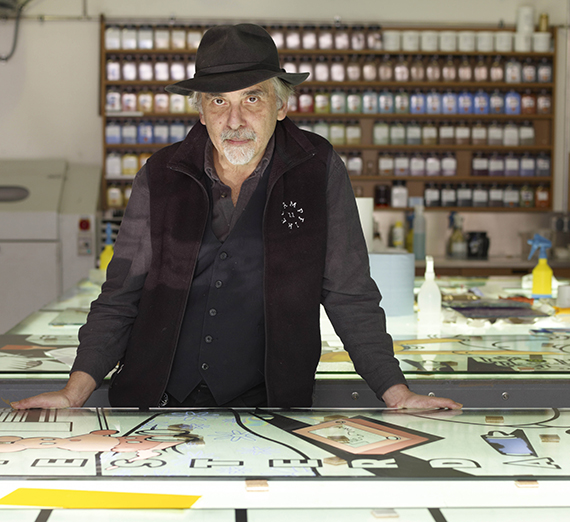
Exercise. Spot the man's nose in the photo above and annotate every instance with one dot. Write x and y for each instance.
(235, 117)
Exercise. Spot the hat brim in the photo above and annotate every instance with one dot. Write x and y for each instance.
(232, 81)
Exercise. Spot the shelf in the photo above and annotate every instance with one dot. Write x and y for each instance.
(469, 209)
(515, 180)
(409, 116)
(446, 148)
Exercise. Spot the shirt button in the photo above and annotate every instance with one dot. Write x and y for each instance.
(223, 195)
(218, 284)
(213, 312)
(205, 366)
(223, 255)
(208, 339)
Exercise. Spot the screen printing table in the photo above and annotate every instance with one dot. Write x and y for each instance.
(474, 362)
(266, 464)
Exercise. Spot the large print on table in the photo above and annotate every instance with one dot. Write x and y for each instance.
(108, 443)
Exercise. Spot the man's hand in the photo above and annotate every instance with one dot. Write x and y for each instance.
(77, 390)
(399, 396)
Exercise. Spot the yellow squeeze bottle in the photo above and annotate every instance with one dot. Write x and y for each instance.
(107, 254)
(542, 273)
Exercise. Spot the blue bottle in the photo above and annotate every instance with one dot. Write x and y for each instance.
(481, 103)
(433, 102)
(465, 103)
(449, 103)
(418, 103)
(512, 103)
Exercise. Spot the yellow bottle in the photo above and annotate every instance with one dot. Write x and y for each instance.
(108, 251)
(542, 273)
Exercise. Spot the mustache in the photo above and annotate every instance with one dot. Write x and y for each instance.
(240, 134)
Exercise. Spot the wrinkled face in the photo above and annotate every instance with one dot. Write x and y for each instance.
(241, 123)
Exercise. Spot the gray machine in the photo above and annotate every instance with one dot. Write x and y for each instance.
(47, 232)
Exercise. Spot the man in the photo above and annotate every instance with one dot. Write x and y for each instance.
(231, 241)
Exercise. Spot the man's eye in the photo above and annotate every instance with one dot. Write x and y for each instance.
(218, 101)
(252, 99)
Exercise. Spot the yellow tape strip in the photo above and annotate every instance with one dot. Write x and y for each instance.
(74, 499)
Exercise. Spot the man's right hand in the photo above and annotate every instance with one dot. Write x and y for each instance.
(77, 390)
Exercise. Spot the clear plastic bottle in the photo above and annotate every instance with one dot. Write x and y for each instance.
(429, 297)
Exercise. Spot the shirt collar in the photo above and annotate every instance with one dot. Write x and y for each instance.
(210, 170)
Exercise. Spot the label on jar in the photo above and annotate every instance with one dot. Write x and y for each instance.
(161, 71)
(337, 72)
(129, 71)
(325, 40)
(496, 195)
(130, 165)
(479, 134)
(397, 134)
(431, 196)
(542, 195)
(402, 103)
(353, 134)
(322, 72)
(429, 133)
(129, 134)
(544, 73)
(433, 103)
(448, 166)
(129, 102)
(177, 71)
(338, 102)
(161, 133)
(145, 101)
(369, 72)
(113, 101)
(446, 132)
(386, 165)
(342, 41)
(543, 104)
(178, 38)
(496, 166)
(322, 103)
(306, 102)
(112, 133)
(527, 135)
(527, 164)
(464, 194)
(354, 165)
(511, 166)
(480, 195)
(511, 196)
(433, 167)
(449, 102)
(113, 71)
(293, 40)
(495, 136)
(417, 166)
(112, 38)
(352, 72)
(177, 103)
(462, 134)
(369, 102)
(480, 163)
(448, 196)
(381, 134)
(354, 103)
(511, 136)
(114, 197)
(414, 133)
(146, 72)
(309, 40)
(402, 165)
(543, 164)
(161, 102)
(497, 103)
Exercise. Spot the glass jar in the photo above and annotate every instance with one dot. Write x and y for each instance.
(177, 69)
(464, 195)
(386, 102)
(397, 133)
(338, 102)
(449, 70)
(462, 134)
(526, 196)
(544, 71)
(129, 37)
(511, 137)
(113, 69)
(496, 71)
(128, 101)
(306, 66)
(528, 102)
(386, 164)
(402, 102)
(321, 127)
(542, 197)
(145, 38)
(162, 37)
(449, 165)
(161, 131)
(465, 71)
(145, 101)
(293, 103)
(325, 38)
(293, 37)
(306, 101)
(112, 37)
(512, 165)
(341, 37)
(495, 134)
(354, 101)
(417, 165)
(354, 70)
(433, 70)
(481, 102)
(358, 38)
(496, 165)
(399, 194)
(465, 103)
(322, 70)
(193, 37)
(112, 133)
(370, 69)
(178, 37)
(369, 102)
(129, 133)
(432, 195)
(433, 102)
(496, 103)
(354, 163)
(146, 69)
(480, 165)
(402, 69)
(480, 196)
(353, 133)
(481, 71)
(526, 134)
(309, 37)
(374, 37)
(543, 103)
(417, 69)
(382, 195)
(338, 69)
(278, 34)
(176, 104)
(129, 68)
(446, 134)
(380, 133)
(449, 103)
(528, 165)
(448, 196)
(496, 196)
(322, 102)
(512, 103)
(479, 134)
(401, 165)
(418, 102)
(161, 69)
(290, 64)
(413, 133)
(543, 164)
(528, 71)
(433, 164)
(513, 71)
(429, 133)
(510, 196)
(386, 69)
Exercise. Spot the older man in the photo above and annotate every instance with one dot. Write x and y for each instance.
(231, 241)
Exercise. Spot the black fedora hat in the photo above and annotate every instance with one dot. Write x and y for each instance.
(233, 57)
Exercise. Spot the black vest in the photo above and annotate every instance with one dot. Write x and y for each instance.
(222, 339)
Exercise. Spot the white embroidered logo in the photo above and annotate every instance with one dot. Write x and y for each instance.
(291, 215)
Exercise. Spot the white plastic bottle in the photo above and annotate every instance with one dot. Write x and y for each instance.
(429, 298)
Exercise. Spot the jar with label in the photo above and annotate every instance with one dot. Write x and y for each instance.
(129, 133)
(129, 68)
(417, 69)
(464, 195)
(353, 69)
(402, 102)
(145, 132)
(496, 165)
(114, 196)
(526, 196)
(176, 131)
(465, 103)
(322, 70)
(322, 102)
(544, 71)
(542, 197)
(481, 71)
(402, 69)
(325, 38)
(432, 196)
(374, 37)
(496, 103)
(145, 38)
(161, 69)
(526, 133)
(480, 196)
(417, 165)
(321, 128)
(162, 37)
(479, 134)
(511, 135)
(306, 101)
(433, 70)
(160, 132)
(112, 133)
(290, 64)
(496, 196)
(357, 38)
(161, 102)
(145, 101)
(354, 163)
(369, 69)
(433, 164)
(353, 133)
(341, 37)
(338, 70)
(449, 165)
(449, 70)
(380, 133)
(113, 69)
(177, 69)
(481, 102)
(528, 102)
(397, 133)
(128, 101)
(528, 165)
(369, 102)
(309, 37)
(528, 71)
(429, 133)
(495, 134)
(338, 101)
(293, 36)
(449, 103)
(386, 164)
(401, 165)
(543, 164)
(433, 102)
(497, 71)
(510, 196)
(465, 71)
(129, 37)
(193, 37)
(112, 37)
(146, 69)
(462, 134)
(178, 37)
(413, 133)
(177, 104)
(513, 71)
(399, 194)
(543, 103)
(386, 102)
(512, 165)
(382, 195)
(129, 164)
(418, 102)
(480, 165)
(386, 69)
(446, 134)
(448, 196)
(354, 101)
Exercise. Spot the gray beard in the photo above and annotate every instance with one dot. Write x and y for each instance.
(239, 155)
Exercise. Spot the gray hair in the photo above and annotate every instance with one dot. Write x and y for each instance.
(282, 92)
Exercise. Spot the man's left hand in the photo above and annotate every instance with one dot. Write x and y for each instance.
(400, 396)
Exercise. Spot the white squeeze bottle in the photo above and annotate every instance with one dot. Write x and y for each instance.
(429, 298)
